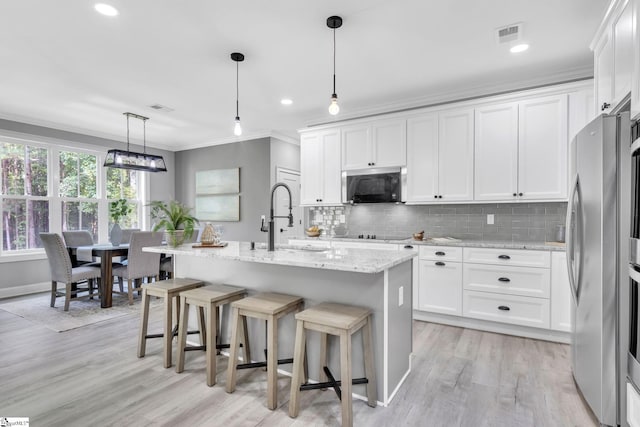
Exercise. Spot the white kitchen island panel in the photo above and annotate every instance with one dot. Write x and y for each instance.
(375, 279)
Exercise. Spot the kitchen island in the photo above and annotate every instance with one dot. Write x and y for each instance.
(380, 280)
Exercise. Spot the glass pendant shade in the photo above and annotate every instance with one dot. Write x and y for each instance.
(334, 108)
(237, 129)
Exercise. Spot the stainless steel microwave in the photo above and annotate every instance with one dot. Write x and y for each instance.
(381, 185)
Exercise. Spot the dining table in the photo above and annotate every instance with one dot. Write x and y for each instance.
(106, 252)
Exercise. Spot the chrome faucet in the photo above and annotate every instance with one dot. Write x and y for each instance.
(272, 217)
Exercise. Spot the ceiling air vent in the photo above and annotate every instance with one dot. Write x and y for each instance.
(160, 107)
(509, 34)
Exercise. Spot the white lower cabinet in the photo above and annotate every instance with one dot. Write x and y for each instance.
(440, 289)
(633, 406)
(517, 310)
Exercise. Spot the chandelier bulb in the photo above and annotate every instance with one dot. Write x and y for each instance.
(237, 129)
(334, 108)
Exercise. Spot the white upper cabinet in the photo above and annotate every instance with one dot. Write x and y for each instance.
(521, 150)
(440, 157)
(422, 158)
(374, 145)
(455, 155)
(496, 152)
(320, 178)
(614, 53)
(542, 148)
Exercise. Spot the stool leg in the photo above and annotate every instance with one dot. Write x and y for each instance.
(212, 328)
(202, 326)
(296, 380)
(168, 330)
(272, 362)
(245, 341)
(323, 357)
(144, 322)
(217, 327)
(183, 325)
(233, 350)
(345, 377)
(369, 367)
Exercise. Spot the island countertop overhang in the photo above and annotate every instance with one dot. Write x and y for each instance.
(355, 260)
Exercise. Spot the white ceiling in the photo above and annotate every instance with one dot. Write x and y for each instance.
(63, 65)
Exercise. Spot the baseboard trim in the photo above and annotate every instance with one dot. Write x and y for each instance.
(484, 325)
(17, 291)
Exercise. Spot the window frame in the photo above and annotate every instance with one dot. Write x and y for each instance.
(54, 146)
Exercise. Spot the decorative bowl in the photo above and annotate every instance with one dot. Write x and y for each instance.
(312, 233)
(418, 236)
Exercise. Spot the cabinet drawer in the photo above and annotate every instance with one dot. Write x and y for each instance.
(525, 281)
(519, 257)
(440, 289)
(517, 310)
(441, 253)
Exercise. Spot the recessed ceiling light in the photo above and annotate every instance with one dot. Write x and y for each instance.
(106, 9)
(286, 101)
(519, 48)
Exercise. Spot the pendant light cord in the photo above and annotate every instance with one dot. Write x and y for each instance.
(144, 136)
(237, 92)
(334, 61)
(127, 133)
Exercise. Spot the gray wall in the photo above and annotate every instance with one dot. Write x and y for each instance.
(283, 155)
(162, 186)
(514, 222)
(253, 159)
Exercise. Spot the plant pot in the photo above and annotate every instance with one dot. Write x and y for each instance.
(115, 236)
(174, 238)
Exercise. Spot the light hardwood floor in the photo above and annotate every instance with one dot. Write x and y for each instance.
(92, 377)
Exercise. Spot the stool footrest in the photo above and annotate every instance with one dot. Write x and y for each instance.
(204, 347)
(261, 364)
(174, 333)
(315, 386)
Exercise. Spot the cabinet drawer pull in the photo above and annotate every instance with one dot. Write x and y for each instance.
(504, 279)
(440, 253)
(440, 263)
(605, 106)
(504, 257)
(503, 308)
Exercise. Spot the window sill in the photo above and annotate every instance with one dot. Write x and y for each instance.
(23, 256)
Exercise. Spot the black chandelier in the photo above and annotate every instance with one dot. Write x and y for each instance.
(126, 159)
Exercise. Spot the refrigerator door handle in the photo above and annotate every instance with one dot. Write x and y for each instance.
(580, 232)
(569, 239)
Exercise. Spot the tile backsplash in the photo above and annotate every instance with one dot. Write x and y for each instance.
(532, 222)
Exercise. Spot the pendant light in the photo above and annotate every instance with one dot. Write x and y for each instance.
(131, 160)
(334, 22)
(237, 129)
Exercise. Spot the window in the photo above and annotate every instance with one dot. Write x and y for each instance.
(23, 195)
(123, 184)
(48, 188)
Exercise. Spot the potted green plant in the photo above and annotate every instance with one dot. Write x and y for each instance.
(118, 209)
(175, 219)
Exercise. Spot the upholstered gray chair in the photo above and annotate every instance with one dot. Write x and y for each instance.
(62, 271)
(166, 263)
(76, 238)
(140, 264)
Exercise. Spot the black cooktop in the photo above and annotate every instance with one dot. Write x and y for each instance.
(375, 237)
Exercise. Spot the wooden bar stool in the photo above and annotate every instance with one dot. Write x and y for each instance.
(167, 289)
(269, 307)
(208, 299)
(343, 321)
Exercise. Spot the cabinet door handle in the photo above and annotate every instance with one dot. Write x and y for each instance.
(503, 308)
(605, 106)
(520, 194)
(435, 196)
(504, 279)
(504, 257)
(440, 196)
(440, 253)
(440, 263)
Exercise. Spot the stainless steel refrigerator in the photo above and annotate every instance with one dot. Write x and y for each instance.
(597, 234)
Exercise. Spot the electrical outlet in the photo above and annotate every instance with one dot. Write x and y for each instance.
(490, 219)
(400, 296)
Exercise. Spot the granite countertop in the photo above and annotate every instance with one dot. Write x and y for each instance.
(541, 246)
(355, 260)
